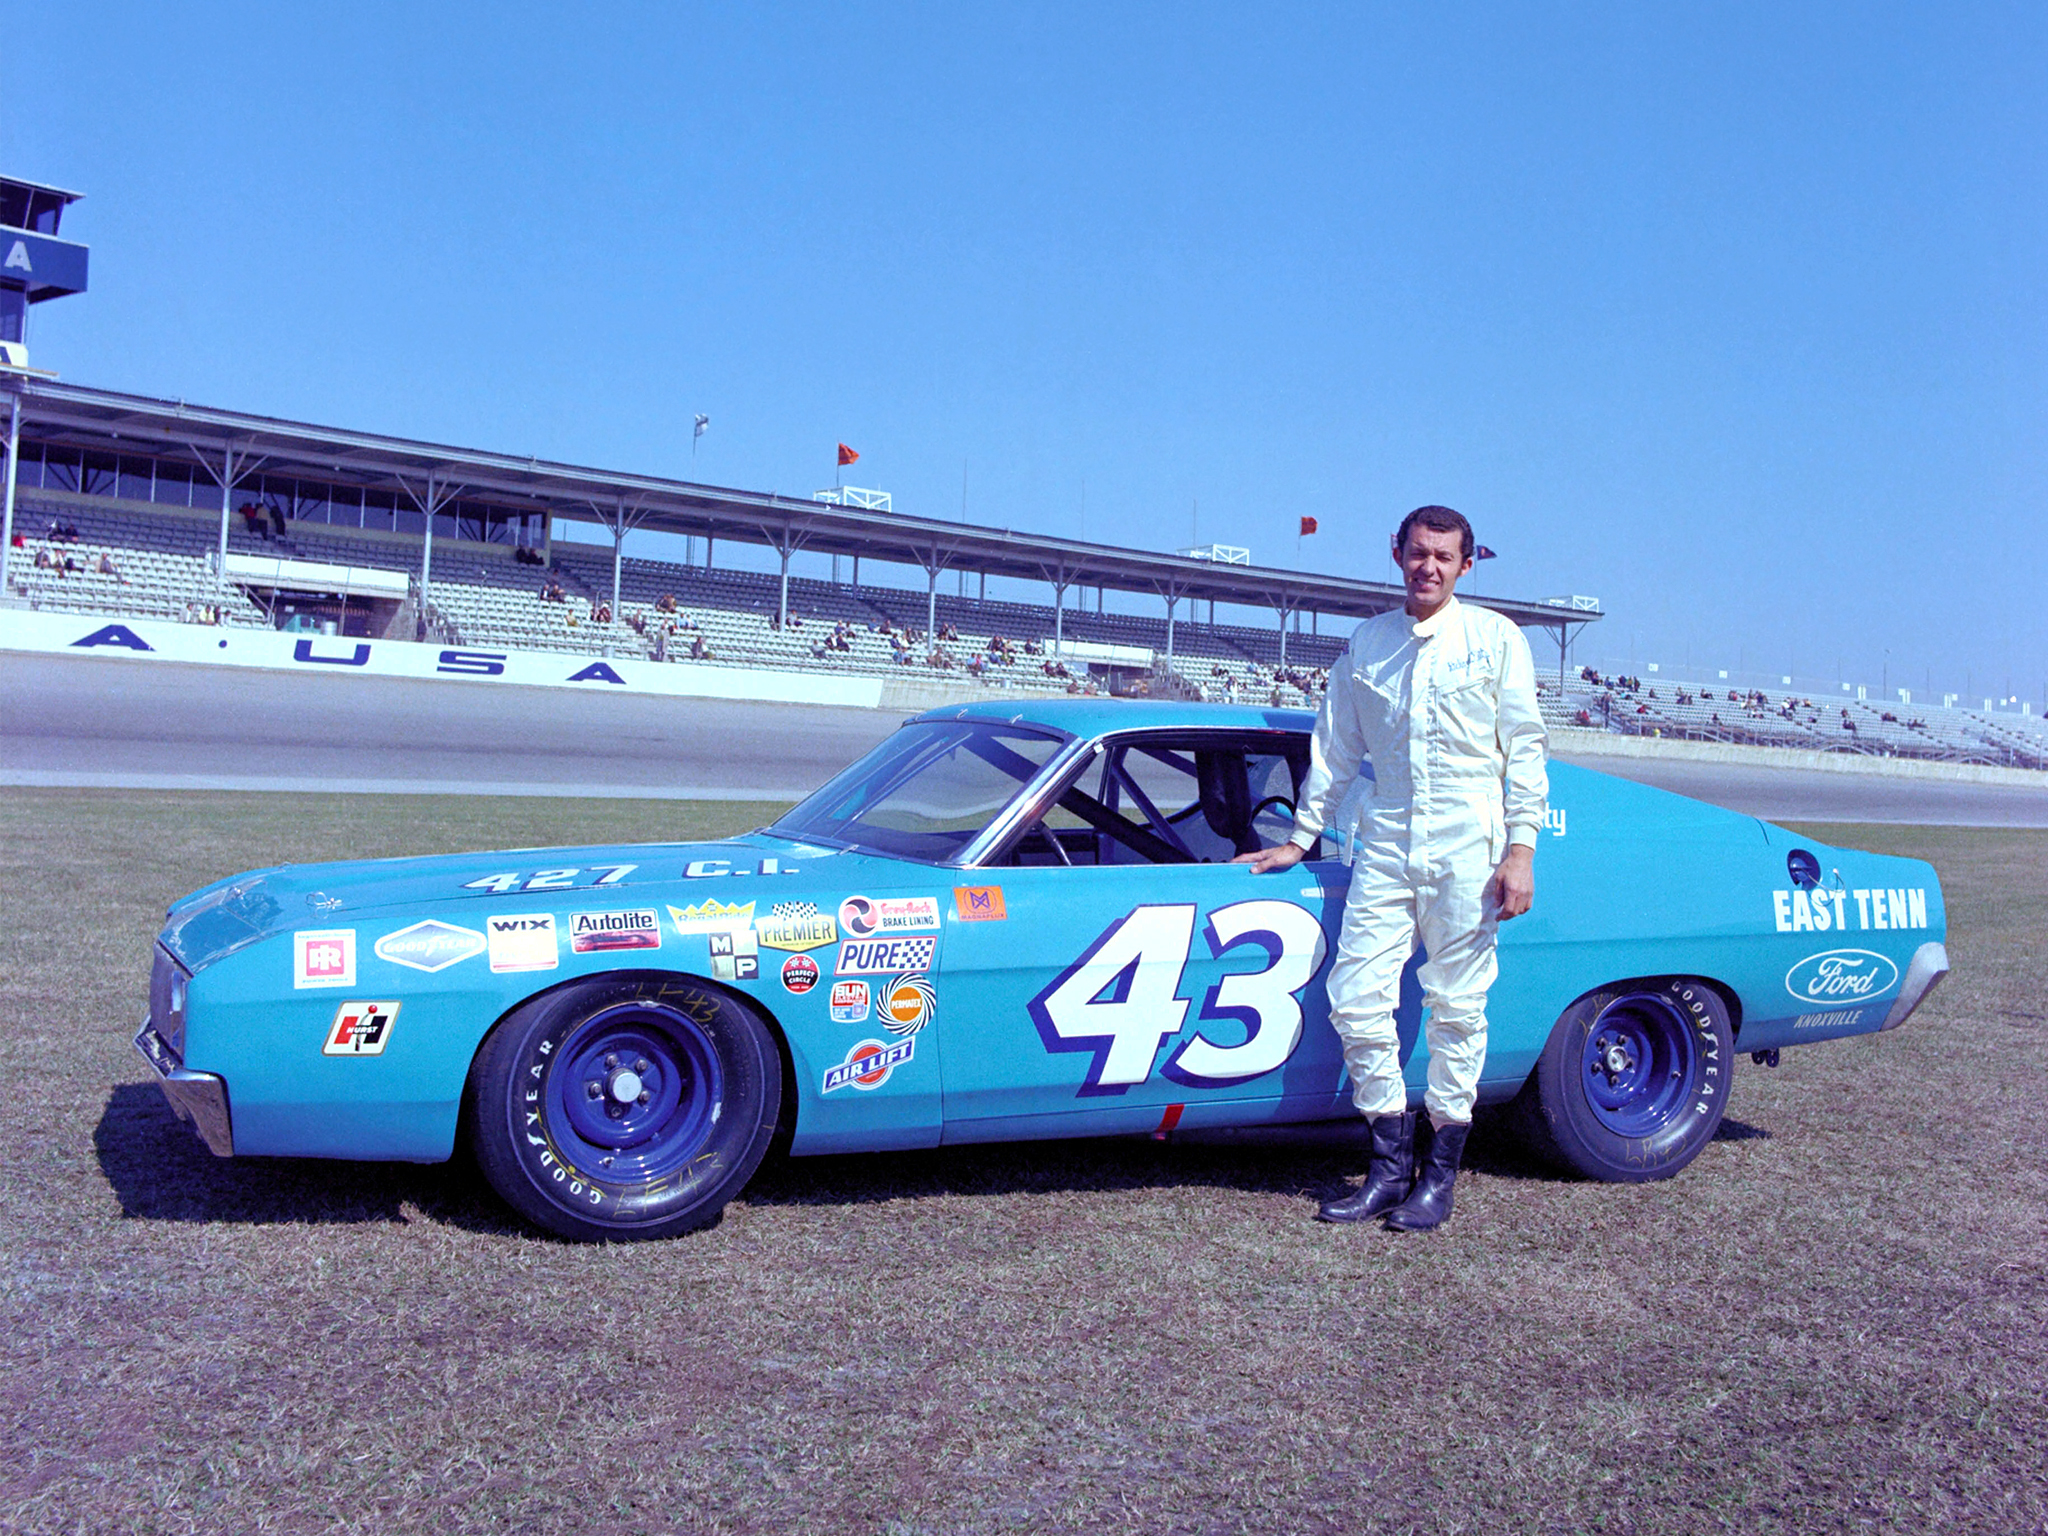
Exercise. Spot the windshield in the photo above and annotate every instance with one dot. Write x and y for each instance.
(925, 792)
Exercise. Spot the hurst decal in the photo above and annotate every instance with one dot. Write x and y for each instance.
(360, 1029)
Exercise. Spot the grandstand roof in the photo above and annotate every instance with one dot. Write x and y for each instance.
(107, 420)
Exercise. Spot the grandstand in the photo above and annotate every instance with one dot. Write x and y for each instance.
(123, 504)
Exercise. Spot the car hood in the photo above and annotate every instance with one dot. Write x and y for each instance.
(229, 914)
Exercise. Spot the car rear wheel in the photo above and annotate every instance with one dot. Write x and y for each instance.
(626, 1107)
(1633, 1082)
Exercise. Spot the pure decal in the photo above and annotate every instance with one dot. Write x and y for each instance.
(430, 946)
(868, 1065)
(884, 957)
(600, 932)
(523, 941)
(324, 957)
(360, 1029)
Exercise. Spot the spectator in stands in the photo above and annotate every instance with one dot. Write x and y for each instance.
(42, 559)
(601, 614)
(666, 603)
(106, 567)
(699, 651)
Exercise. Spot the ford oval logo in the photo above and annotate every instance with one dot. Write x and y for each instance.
(1842, 976)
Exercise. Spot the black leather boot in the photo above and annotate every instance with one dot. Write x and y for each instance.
(1388, 1177)
(1430, 1204)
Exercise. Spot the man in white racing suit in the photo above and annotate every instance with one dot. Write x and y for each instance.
(1442, 698)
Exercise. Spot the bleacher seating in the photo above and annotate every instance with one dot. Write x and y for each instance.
(1631, 706)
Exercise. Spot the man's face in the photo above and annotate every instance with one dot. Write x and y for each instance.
(1431, 562)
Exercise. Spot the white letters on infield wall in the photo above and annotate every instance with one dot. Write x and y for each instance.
(82, 634)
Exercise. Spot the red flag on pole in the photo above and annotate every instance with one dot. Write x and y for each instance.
(1308, 526)
(846, 454)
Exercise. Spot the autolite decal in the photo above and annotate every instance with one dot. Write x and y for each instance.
(595, 932)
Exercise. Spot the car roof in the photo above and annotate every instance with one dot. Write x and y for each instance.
(1095, 717)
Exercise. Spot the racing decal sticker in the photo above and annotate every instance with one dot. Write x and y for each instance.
(1120, 1002)
(865, 916)
(430, 946)
(799, 974)
(1802, 911)
(709, 916)
(797, 925)
(1841, 1018)
(884, 957)
(323, 957)
(523, 941)
(1842, 976)
(734, 955)
(850, 1002)
(908, 1004)
(599, 932)
(360, 1029)
(869, 1064)
(550, 879)
(979, 904)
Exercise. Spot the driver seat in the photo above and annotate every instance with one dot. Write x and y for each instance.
(1226, 798)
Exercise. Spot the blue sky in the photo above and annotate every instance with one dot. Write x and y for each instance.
(1732, 317)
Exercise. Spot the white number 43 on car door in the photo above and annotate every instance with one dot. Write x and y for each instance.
(1120, 1001)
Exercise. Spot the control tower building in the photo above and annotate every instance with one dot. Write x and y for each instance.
(34, 264)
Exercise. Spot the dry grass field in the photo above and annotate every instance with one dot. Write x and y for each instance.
(1836, 1319)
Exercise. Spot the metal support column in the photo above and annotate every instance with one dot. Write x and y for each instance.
(1059, 612)
(1286, 617)
(1172, 601)
(931, 608)
(13, 457)
(782, 601)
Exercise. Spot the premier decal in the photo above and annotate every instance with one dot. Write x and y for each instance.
(868, 1064)
(712, 916)
(601, 932)
(523, 941)
(1842, 976)
(1804, 911)
(979, 904)
(360, 1029)
(884, 957)
(908, 1004)
(865, 916)
(323, 957)
(797, 925)
(799, 974)
(850, 1002)
(430, 946)
(734, 955)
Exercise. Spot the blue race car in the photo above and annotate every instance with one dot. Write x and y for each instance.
(1008, 921)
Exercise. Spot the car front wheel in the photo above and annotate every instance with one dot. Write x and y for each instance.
(625, 1107)
(1633, 1081)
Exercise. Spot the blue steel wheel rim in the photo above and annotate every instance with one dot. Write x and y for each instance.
(1639, 1064)
(633, 1093)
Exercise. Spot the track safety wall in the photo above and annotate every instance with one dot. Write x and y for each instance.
(145, 640)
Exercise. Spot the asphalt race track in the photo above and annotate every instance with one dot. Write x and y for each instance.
(108, 722)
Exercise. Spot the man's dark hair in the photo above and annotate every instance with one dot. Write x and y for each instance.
(1443, 520)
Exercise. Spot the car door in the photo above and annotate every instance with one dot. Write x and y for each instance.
(1113, 971)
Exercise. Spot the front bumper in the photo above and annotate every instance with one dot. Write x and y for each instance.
(198, 1097)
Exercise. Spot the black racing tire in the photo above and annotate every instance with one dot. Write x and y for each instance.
(1633, 1081)
(625, 1107)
